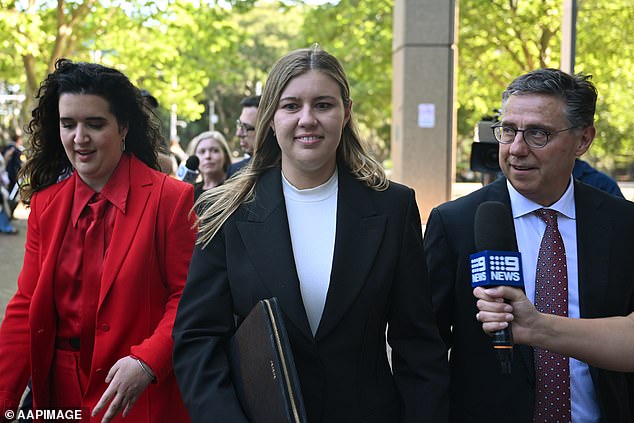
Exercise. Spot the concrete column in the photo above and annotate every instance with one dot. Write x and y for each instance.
(424, 56)
(568, 35)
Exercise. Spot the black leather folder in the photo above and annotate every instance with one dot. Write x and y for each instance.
(263, 369)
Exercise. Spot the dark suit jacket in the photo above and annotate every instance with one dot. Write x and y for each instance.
(234, 167)
(378, 277)
(605, 246)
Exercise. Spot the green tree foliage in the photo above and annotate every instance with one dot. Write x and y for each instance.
(170, 48)
(605, 50)
(501, 39)
(35, 34)
(187, 52)
(262, 36)
(359, 34)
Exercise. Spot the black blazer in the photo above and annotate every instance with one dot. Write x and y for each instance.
(605, 247)
(378, 277)
(234, 167)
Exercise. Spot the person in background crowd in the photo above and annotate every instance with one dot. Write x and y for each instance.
(213, 152)
(14, 159)
(547, 121)
(5, 225)
(313, 221)
(108, 245)
(589, 175)
(177, 151)
(245, 131)
(584, 339)
(167, 161)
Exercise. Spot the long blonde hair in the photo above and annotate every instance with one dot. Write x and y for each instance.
(216, 205)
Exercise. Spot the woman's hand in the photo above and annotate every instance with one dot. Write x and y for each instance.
(495, 314)
(127, 379)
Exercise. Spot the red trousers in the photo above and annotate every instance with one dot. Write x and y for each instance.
(68, 382)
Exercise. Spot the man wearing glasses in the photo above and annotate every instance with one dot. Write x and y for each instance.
(245, 131)
(547, 121)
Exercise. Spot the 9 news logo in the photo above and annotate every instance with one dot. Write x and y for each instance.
(504, 263)
(496, 268)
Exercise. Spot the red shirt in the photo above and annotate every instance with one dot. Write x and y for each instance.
(68, 274)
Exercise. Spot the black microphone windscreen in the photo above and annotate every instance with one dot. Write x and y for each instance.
(192, 162)
(493, 227)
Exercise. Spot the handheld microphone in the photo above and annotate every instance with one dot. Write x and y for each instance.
(188, 171)
(497, 263)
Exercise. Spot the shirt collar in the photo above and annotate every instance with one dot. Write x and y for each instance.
(522, 206)
(317, 193)
(115, 191)
(83, 194)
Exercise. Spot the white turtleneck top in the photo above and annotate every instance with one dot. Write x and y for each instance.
(312, 219)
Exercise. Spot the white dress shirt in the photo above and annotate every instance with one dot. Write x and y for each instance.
(529, 230)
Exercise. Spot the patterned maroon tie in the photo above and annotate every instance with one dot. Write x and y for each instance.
(552, 389)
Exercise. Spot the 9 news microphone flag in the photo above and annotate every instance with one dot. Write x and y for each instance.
(497, 263)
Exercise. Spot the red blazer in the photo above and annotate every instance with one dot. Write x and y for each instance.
(144, 275)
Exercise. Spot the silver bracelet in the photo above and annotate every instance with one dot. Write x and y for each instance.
(146, 370)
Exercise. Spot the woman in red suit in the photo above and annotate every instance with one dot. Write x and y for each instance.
(107, 250)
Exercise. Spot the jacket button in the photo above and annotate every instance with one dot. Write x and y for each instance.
(99, 371)
(105, 327)
(40, 331)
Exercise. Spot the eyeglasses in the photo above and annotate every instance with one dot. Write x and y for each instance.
(534, 137)
(245, 127)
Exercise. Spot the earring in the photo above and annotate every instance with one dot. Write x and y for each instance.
(123, 144)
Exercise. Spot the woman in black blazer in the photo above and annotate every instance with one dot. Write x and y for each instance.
(314, 222)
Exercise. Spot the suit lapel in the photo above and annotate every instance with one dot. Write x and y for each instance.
(357, 241)
(497, 191)
(126, 225)
(57, 211)
(594, 235)
(267, 239)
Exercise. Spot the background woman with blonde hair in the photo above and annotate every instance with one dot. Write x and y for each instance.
(213, 152)
(314, 222)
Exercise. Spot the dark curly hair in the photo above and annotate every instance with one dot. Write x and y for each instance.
(46, 160)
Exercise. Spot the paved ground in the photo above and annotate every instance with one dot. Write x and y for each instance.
(11, 254)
